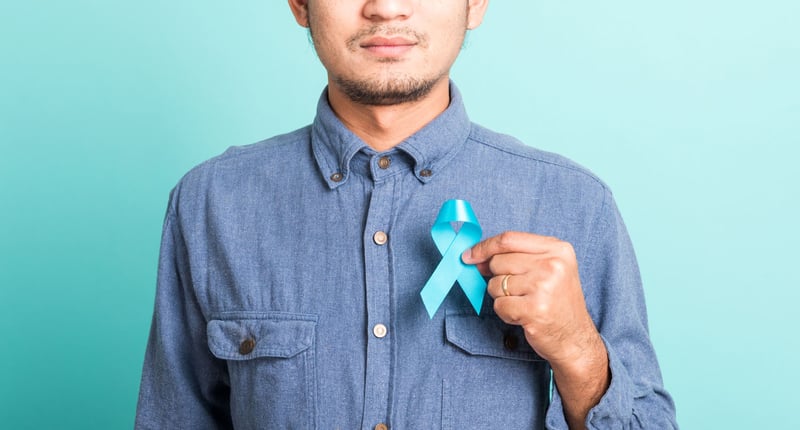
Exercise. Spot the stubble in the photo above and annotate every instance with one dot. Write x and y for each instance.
(385, 88)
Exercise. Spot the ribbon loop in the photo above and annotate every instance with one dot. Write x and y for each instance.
(451, 245)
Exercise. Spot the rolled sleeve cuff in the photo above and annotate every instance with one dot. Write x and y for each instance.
(615, 407)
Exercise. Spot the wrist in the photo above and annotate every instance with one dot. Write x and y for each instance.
(587, 368)
(582, 382)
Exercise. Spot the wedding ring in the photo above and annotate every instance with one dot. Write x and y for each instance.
(504, 284)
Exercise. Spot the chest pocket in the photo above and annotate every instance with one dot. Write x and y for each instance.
(499, 381)
(271, 366)
(488, 335)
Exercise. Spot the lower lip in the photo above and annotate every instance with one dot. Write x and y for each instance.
(388, 50)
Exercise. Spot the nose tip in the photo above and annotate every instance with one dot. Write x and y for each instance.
(387, 10)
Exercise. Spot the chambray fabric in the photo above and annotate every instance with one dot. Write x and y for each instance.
(272, 243)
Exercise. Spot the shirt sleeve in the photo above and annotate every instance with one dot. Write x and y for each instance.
(612, 285)
(183, 385)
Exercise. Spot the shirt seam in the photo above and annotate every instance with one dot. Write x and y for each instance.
(234, 152)
(593, 234)
(577, 169)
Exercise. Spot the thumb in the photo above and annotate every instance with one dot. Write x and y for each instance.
(475, 254)
(469, 257)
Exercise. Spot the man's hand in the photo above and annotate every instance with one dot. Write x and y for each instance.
(543, 295)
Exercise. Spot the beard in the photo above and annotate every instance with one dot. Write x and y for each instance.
(386, 92)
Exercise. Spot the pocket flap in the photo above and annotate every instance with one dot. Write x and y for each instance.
(267, 335)
(487, 335)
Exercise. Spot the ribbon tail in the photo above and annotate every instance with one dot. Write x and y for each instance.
(438, 285)
(473, 285)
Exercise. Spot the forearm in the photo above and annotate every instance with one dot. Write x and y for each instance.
(631, 395)
(583, 382)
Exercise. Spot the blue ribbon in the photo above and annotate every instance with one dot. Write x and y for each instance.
(451, 245)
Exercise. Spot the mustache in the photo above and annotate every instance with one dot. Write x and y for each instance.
(389, 31)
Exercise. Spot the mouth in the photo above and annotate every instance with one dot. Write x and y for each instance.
(388, 46)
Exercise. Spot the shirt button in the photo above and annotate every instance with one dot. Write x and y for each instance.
(337, 177)
(380, 238)
(425, 172)
(384, 162)
(379, 331)
(247, 346)
(510, 342)
(381, 426)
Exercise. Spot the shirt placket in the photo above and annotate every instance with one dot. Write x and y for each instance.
(377, 241)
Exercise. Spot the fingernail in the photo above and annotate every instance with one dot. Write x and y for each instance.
(466, 255)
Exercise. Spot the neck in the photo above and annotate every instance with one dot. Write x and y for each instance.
(384, 127)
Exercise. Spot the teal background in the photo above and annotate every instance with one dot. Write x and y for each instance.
(689, 110)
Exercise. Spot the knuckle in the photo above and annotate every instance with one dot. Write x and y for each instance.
(566, 250)
(493, 288)
(492, 264)
(542, 307)
(551, 240)
(507, 239)
(498, 307)
(556, 266)
(505, 312)
(530, 331)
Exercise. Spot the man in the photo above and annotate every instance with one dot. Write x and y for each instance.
(290, 274)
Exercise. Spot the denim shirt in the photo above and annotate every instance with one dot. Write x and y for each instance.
(289, 280)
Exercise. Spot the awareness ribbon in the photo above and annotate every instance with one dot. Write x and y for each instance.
(451, 245)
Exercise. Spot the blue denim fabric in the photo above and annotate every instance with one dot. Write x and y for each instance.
(270, 284)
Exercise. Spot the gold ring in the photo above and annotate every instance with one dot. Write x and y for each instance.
(504, 284)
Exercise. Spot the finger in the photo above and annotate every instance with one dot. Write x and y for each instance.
(516, 286)
(513, 309)
(510, 241)
(495, 286)
(515, 263)
(484, 269)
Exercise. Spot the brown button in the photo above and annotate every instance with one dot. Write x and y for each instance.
(384, 162)
(381, 426)
(337, 177)
(510, 342)
(380, 238)
(425, 172)
(247, 346)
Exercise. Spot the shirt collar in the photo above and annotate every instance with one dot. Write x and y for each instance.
(334, 145)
